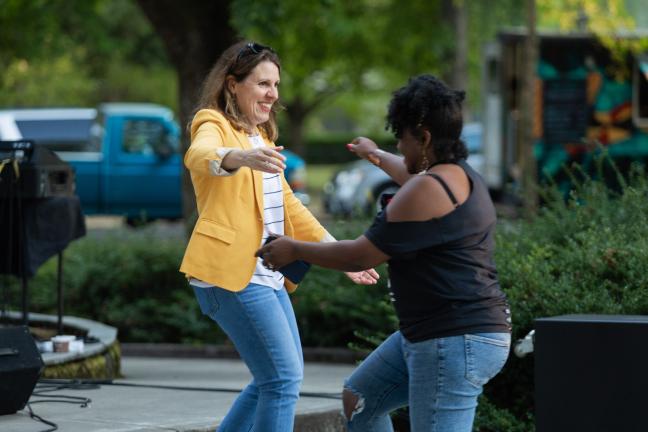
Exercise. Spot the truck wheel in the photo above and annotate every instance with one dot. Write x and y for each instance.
(137, 222)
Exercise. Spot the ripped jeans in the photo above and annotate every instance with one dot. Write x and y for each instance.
(440, 379)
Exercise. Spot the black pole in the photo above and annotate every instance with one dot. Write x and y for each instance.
(59, 290)
(25, 305)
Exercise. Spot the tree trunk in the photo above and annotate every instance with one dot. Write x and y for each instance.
(455, 14)
(460, 65)
(527, 162)
(194, 34)
(296, 113)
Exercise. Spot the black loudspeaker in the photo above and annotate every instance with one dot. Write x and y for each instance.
(20, 367)
(591, 373)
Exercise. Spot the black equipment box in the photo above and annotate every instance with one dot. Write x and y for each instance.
(20, 367)
(591, 373)
(33, 171)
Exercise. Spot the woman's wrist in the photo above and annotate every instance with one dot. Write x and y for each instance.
(375, 156)
(235, 159)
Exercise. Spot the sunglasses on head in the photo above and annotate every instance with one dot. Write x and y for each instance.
(252, 48)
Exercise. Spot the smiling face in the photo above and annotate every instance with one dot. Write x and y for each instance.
(411, 148)
(256, 93)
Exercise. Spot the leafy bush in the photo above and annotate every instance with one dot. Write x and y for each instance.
(587, 254)
(331, 309)
(129, 280)
(330, 148)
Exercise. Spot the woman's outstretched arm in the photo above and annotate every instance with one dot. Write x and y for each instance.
(345, 255)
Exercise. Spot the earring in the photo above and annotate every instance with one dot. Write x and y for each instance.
(425, 163)
(231, 107)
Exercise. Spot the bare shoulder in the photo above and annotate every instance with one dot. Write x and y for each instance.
(456, 179)
(423, 197)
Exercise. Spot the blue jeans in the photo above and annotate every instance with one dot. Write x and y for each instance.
(261, 323)
(440, 380)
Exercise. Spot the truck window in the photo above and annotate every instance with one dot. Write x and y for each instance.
(142, 136)
(62, 135)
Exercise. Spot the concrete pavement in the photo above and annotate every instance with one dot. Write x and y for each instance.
(202, 392)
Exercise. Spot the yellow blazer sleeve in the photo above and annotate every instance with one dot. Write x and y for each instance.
(210, 140)
(303, 223)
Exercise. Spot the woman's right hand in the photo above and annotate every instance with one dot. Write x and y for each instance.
(363, 147)
(266, 159)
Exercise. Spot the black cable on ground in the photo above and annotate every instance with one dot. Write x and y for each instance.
(36, 417)
(182, 388)
(46, 386)
(43, 390)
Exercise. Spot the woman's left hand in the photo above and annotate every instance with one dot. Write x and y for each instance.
(277, 253)
(365, 277)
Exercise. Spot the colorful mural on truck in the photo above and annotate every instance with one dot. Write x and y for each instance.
(585, 107)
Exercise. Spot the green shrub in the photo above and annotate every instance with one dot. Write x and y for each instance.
(129, 280)
(330, 148)
(330, 308)
(587, 254)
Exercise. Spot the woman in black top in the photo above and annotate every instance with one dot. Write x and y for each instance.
(437, 234)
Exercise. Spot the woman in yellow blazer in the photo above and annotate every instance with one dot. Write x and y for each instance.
(242, 197)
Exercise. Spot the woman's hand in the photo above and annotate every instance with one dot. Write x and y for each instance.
(365, 277)
(266, 159)
(363, 147)
(278, 252)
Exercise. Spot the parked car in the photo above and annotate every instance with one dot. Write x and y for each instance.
(356, 189)
(295, 173)
(125, 155)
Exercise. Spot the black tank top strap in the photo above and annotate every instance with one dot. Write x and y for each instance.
(445, 187)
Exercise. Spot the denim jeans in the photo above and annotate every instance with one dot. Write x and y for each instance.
(440, 379)
(260, 321)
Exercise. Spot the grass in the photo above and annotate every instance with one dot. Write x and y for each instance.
(318, 175)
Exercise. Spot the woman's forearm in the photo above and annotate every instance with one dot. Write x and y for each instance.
(266, 159)
(340, 255)
(390, 163)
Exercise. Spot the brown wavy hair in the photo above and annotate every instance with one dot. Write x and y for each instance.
(237, 62)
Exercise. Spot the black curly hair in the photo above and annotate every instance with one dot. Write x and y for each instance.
(427, 103)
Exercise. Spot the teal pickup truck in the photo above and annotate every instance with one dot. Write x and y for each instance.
(125, 155)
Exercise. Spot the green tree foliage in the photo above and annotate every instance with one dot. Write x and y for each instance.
(599, 16)
(356, 53)
(41, 28)
(54, 82)
(80, 52)
(324, 47)
(610, 20)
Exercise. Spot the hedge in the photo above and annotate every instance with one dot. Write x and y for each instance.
(129, 279)
(330, 148)
(587, 254)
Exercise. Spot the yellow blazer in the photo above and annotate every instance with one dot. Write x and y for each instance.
(230, 209)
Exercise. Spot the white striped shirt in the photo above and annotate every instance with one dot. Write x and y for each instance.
(273, 221)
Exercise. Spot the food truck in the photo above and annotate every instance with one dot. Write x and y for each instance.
(585, 101)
